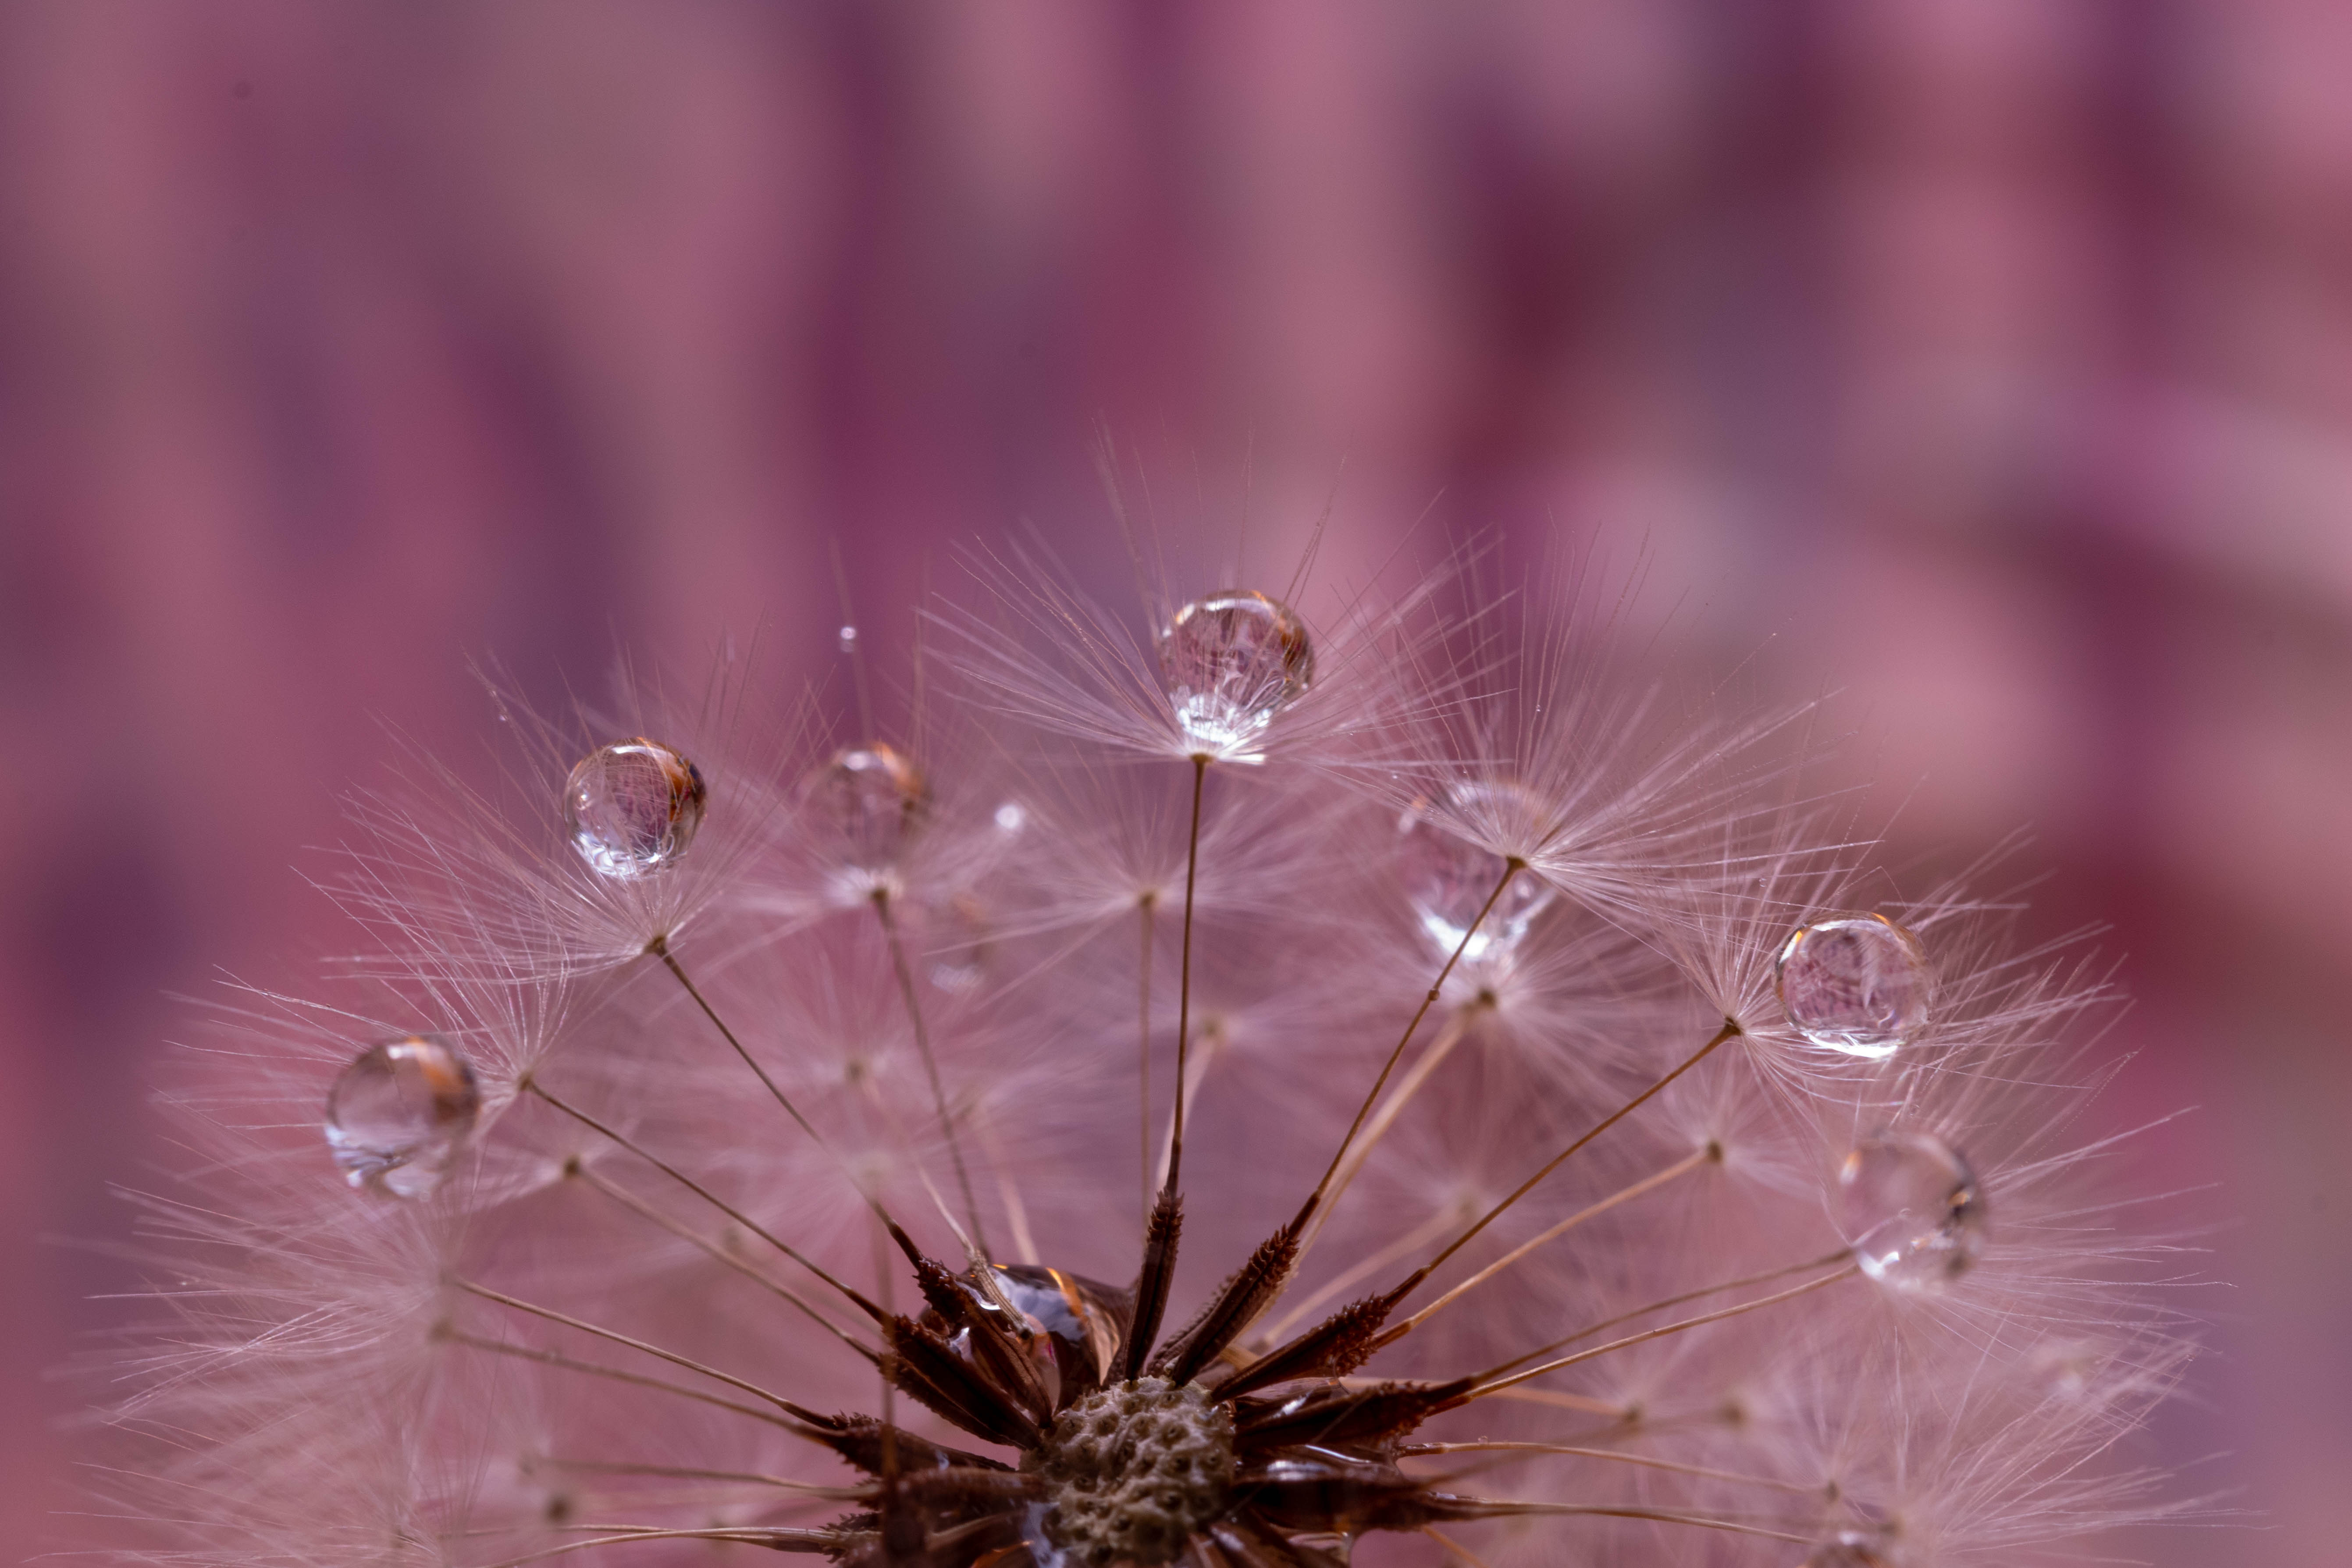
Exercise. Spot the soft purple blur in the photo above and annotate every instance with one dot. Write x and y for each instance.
(1991, 361)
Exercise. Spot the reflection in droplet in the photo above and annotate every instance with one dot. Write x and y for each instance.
(874, 798)
(633, 807)
(1857, 985)
(1231, 661)
(398, 1114)
(1912, 1210)
(1449, 878)
(1073, 1326)
(848, 639)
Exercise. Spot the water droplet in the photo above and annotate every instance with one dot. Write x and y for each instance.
(1073, 1324)
(1912, 1210)
(397, 1115)
(849, 640)
(1449, 878)
(1231, 661)
(1857, 984)
(633, 807)
(874, 797)
(1011, 816)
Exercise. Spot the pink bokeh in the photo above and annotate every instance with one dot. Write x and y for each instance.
(1989, 361)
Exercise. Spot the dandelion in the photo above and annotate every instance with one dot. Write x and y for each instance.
(1237, 1088)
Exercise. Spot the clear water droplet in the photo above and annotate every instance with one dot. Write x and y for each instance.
(1912, 1210)
(1073, 1322)
(849, 640)
(633, 807)
(397, 1115)
(1231, 661)
(874, 797)
(1011, 816)
(1449, 878)
(1856, 983)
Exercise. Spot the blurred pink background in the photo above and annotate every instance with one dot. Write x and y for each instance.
(1993, 361)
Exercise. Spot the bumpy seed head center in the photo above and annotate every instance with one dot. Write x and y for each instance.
(1132, 1469)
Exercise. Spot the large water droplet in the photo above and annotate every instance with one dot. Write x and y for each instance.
(1857, 984)
(1231, 661)
(1912, 1210)
(1072, 1322)
(398, 1114)
(1449, 878)
(633, 807)
(874, 797)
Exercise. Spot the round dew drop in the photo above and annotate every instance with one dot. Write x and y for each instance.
(1449, 878)
(633, 807)
(1912, 1211)
(1231, 661)
(874, 797)
(398, 1114)
(1857, 984)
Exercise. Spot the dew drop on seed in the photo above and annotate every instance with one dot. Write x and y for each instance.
(874, 798)
(397, 1115)
(1856, 983)
(633, 807)
(1231, 661)
(1912, 1210)
(1449, 878)
(1074, 1324)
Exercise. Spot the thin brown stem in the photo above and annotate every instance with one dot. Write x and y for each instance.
(1423, 1450)
(1682, 1300)
(687, 1473)
(1555, 1364)
(1184, 975)
(611, 1336)
(617, 1375)
(1660, 1516)
(930, 1063)
(772, 1536)
(1456, 1030)
(1730, 1030)
(646, 1211)
(1145, 906)
(659, 948)
(1510, 868)
(705, 1195)
(1647, 1183)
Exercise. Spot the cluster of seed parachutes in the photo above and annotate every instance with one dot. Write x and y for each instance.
(1128, 1455)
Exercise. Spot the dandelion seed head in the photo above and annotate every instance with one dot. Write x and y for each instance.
(847, 1072)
